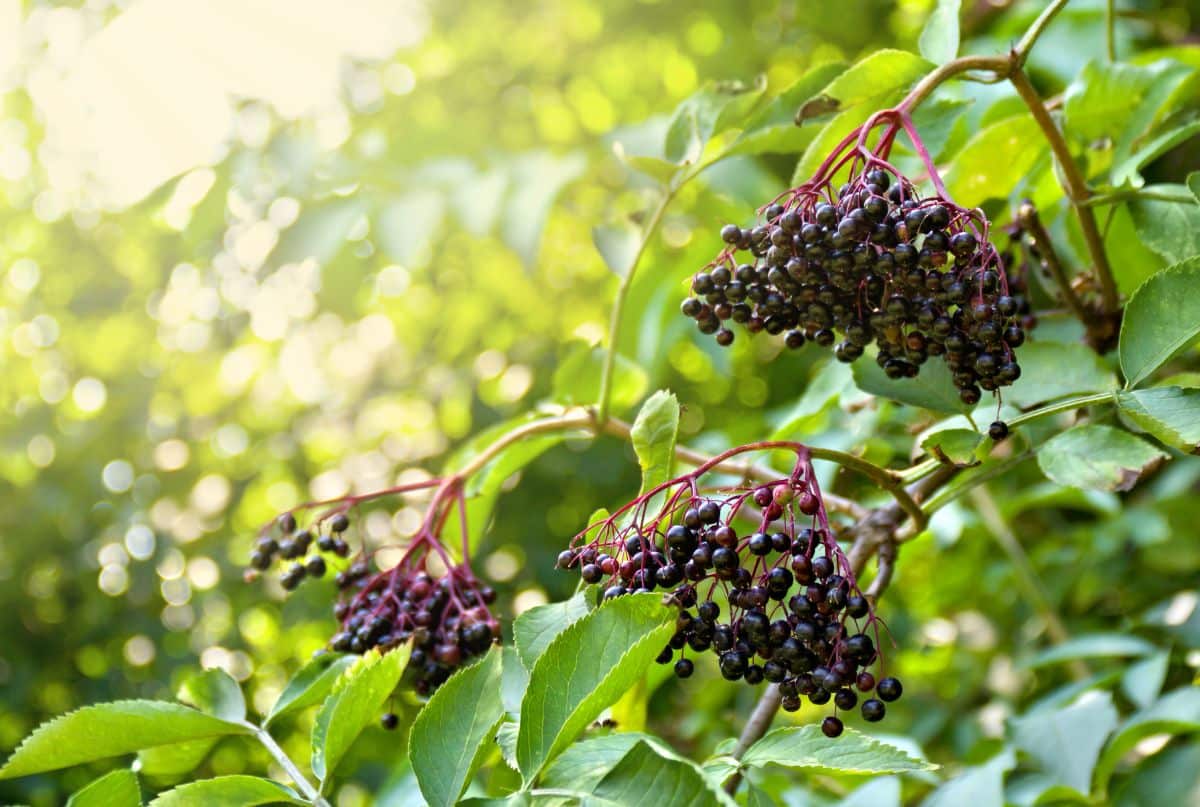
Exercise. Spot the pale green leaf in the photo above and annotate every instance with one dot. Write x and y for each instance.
(643, 776)
(806, 747)
(1171, 414)
(1172, 229)
(774, 128)
(1109, 99)
(1162, 318)
(1053, 370)
(939, 37)
(309, 686)
(1142, 682)
(1177, 712)
(577, 378)
(1098, 457)
(618, 245)
(978, 786)
(109, 730)
(169, 763)
(454, 729)
(536, 180)
(535, 629)
(712, 109)
(216, 692)
(117, 789)
(933, 389)
(506, 738)
(1096, 645)
(653, 437)
(233, 791)
(976, 175)
(953, 446)
(1066, 742)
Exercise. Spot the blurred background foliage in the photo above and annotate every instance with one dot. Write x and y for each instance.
(344, 293)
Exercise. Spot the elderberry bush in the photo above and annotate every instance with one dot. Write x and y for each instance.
(761, 582)
(872, 262)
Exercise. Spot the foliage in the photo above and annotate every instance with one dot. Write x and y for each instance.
(500, 237)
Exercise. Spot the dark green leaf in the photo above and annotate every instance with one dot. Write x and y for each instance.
(953, 446)
(1098, 458)
(618, 245)
(643, 776)
(1096, 645)
(214, 691)
(1193, 184)
(1172, 229)
(232, 791)
(309, 686)
(585, 669)
(1161, 320)
(109, 730)
(976, 175)
(806, 747)
(535, 629)
(712, 109)
(932, 389)
(1053, 370)
(116, 789)
(1171, 414)
(980, 786)
(1066, 743)
(939, 37)
(357, 700)
(653, 437)
(455, 728)
(577, 378)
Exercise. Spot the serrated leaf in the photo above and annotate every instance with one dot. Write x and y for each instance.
(1053, 370)
(243, 791)
(712, 109)
(1096, 645)
(1142, 682)
(643, 776)
(775, 127)
(806, 747)
(618, 245)
(356, 701)
(976, 175)
(953, 446)
(583, 764)
(451, 732)
(1098, 458)
(109, 730)
(1109, 99)
(535, 629)
(117, 789)
(585, 669)
(216, 692)
(577, 378)
(1172, 229)
(979, 786)
(506, 738)
(653, 436)
(939, 37)
(1177, 712)
(1066, 742)
(933, 389)
(1162, 319)
(310, 685)
(1171, 414)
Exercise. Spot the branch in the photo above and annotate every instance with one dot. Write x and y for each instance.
(280, 756)
(1028, 217)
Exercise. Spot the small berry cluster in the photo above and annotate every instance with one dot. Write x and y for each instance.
(876, 263)
(766, 559)
(426, 599)
(283, 540)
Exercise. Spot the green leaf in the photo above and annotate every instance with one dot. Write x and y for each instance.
(242, 791)
(309, 686)
(653, 436)
(1096, 645)
(757, 797)
(514, 679)
(712, 109)
(976, 175)
(214, 691)
(979, 786)
(321, 231)
(774, 128)
(806, 747)
(1172, 229)
(881, 792)
(169, 763)
(1171, 414)
(933, 389)
(1142, 682)
(1177, 712)
(577, 378)
(1193, 184)
(535, 629)
(954, 446)
(1098, 458)
(1053, 370)
(1162, 319)
(939, 37)
(1108, 99)
(1169, 777)
(506, 738)
(583, 764)
(356, 701)
(451, 732)
(116, 789)
(109, 730)
(618, 245)
(585, 669)
(408, 226)
(1066, 743)
(536, 180)
(643, 776)
(1126, 167)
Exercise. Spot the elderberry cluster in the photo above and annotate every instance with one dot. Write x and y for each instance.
(871, 263)
(773, 595)
(283, 540)
(445, 617)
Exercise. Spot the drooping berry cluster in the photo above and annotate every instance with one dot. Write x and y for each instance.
(426, 599)
(773, 594)
(874, 262)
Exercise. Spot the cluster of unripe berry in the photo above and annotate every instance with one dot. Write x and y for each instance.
(773, 595)
(870, 263)
(283, 540)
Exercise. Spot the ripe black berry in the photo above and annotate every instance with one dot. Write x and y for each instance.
(873, 710)
(832, 727)
(683, 668)
(998, 430)
(889, 689)
(315, 566)
(390, 720)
